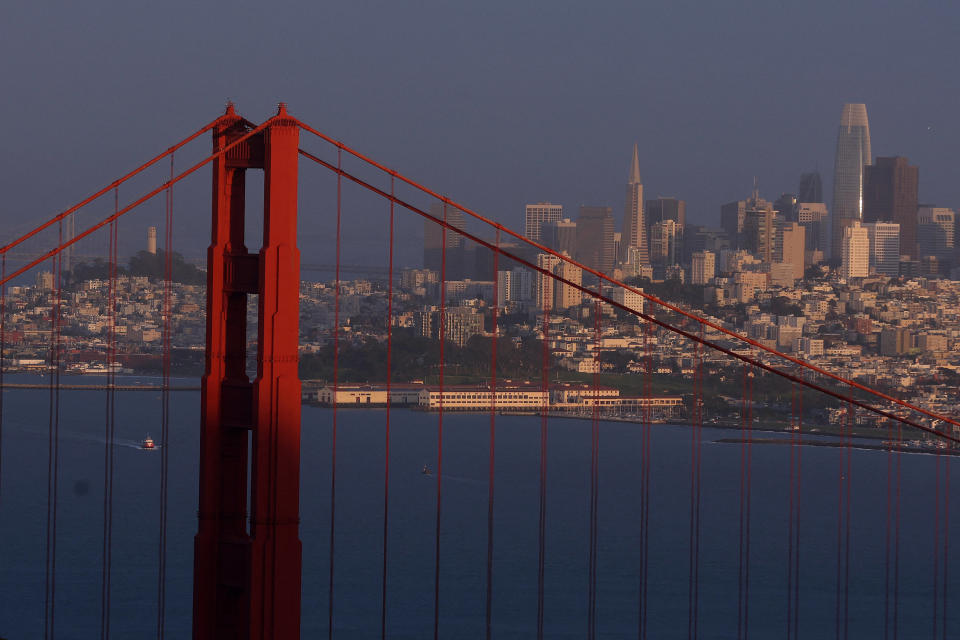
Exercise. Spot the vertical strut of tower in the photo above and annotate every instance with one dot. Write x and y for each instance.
(247, 574)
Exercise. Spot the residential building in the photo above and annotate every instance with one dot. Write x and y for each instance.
(702, 267)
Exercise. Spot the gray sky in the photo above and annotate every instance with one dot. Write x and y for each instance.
(496, 103)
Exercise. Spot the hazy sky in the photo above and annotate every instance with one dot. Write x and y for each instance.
(496, 103)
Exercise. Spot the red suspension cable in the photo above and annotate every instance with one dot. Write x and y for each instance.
(758, 364)
(165, 407)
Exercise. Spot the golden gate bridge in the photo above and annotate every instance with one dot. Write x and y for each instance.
(247, 572)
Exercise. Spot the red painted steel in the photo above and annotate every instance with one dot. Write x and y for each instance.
(247, 579)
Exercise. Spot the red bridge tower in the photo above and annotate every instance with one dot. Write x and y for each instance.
(247, 572)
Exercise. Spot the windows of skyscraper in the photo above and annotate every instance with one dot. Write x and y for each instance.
(537, 215)
(634, 225)
(852, 155)
(935, 233)
(560, 235)
(884, 247)
(855, 251)
(890, 195)
(811, 188)
(595, 244)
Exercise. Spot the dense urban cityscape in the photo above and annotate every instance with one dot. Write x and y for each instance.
(869, 293)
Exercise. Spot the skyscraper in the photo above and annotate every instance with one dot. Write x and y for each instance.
(537, 215)
(791, 246)
(884, 247)
(560, 235)
(811, 187)
(634, 226)
(854, 251)
(935, 232)
(433, 242)
(702, 267)
(852, 155)
(595, 238)
(890, 194)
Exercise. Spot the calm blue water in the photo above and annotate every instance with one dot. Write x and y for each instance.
(463, 542)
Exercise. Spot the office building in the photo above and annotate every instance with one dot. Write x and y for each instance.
(758, 227)
(560, 235)
(811, 187)
(786, 207)
(439, 254)
(890, 195)
(703, 267)
(814, 219)
(884, 247)
(538, 214)
(852, 155)
(595, 238)
(732, 216)
(634, 225)
(566, 295)
(543, 290)
(855, 252)
(663, 242)
(791, 247)
(935, 232)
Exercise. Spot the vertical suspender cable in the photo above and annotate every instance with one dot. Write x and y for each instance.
(542, 481)
(53, 453)
(108, 441)
(896, 534)
(888, 521)
(594, 477)
(336, 364)
(693, 578)
(744, 425)
(443, 337)
(792, 497)
(493, 432)
(946, 541)
(647, 418)
(936, 543)
(165, 408)
(386, 436)
(751, 377)
(3, 345)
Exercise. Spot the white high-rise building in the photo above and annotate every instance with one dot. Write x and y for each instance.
(855, 247)
(539, 214)
(703, 267)
(634, 225)
(884, 247)
(545, 283)
(567, 295)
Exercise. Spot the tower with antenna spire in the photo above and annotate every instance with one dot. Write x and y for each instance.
(633, 243)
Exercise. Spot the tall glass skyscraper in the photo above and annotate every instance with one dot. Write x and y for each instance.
(853, 153)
